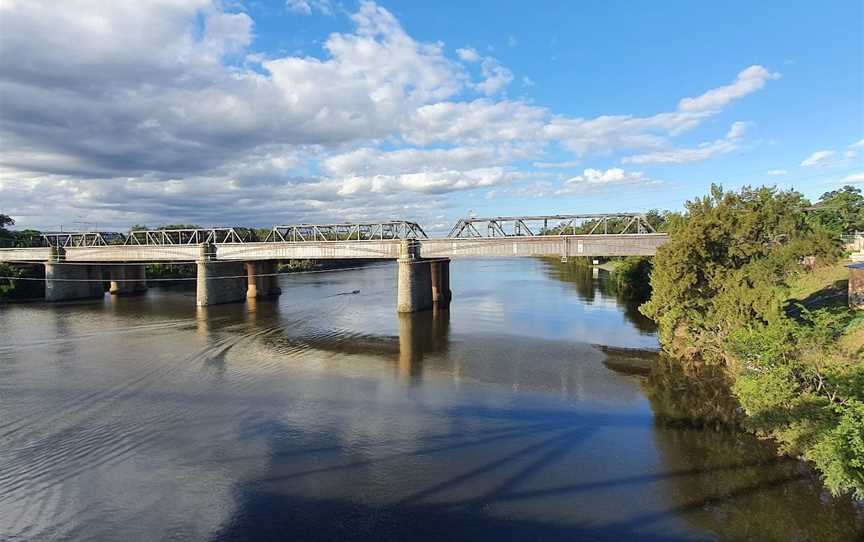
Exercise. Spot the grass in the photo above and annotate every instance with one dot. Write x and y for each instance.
(827, 287)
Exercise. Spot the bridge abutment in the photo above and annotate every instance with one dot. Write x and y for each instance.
(128, 280)
(219, 282)
(67, 282)
(261, 279)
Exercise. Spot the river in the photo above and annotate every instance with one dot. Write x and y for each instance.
(534, 409)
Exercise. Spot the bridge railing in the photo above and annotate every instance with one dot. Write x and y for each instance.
(539, 225)
(396, 229)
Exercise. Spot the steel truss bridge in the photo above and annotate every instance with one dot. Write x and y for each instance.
(516, 226)
(591, 235)
(471, 228)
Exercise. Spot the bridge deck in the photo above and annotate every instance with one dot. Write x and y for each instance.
(593, 245)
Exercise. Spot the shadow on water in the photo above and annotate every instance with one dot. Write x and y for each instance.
(717, 494)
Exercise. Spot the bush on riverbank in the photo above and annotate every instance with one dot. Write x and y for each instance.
(633, 277)
(721, 295)
(11, 289)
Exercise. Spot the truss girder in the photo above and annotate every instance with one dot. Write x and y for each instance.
(398, 229)
(539, 225)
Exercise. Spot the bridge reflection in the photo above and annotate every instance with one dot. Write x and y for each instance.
(420, 334)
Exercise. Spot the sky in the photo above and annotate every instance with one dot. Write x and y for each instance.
(254, 113)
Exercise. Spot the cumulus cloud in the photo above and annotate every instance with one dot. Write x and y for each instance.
(819, 159)
(468, 54)
(187, 122)
(306, 7)
(495, 77)
(594, 179)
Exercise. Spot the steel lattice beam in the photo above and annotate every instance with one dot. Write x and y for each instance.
(397, 229)
(82, 239)
(539, 225)
(191, 236)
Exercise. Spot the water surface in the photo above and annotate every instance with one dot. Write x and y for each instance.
(525, 412)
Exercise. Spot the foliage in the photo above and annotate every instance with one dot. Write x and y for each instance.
(723, 265)
(5, 235)
(21, 289)
(633, 277)
(170, 271)
(721, 295)
(840, 211)
(797, 386)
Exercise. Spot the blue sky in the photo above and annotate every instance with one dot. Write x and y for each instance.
(254, 112)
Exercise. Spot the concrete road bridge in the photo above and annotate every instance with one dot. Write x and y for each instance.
(236, 263)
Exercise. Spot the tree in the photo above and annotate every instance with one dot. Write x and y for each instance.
(840, 211)
(720, 295)
(6, 237)
(722, 263)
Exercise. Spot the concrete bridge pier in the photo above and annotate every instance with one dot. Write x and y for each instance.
(440, 275)
(128, 280)
(219, 282)
(261, 279)
(414, 290)
(66, 282)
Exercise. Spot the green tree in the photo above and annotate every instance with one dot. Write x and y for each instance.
(722, 262)
(720, 296)
(840, 211)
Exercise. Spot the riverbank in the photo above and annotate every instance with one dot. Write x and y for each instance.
(751, 282)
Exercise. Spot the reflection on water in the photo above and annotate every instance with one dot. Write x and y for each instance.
(535, 408)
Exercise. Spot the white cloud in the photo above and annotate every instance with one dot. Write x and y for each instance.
(594, 179)
(496, 77)
(621, 132)
(468, 54)
(737, 130)
(704, 151)
(438, 182)
(556, 165)
(748, 81)
(306, 7)
(776, 172)
(855, 178)
(819, 159)
(475, 122)
(618, 132)
(373, 161)
(857, 145)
